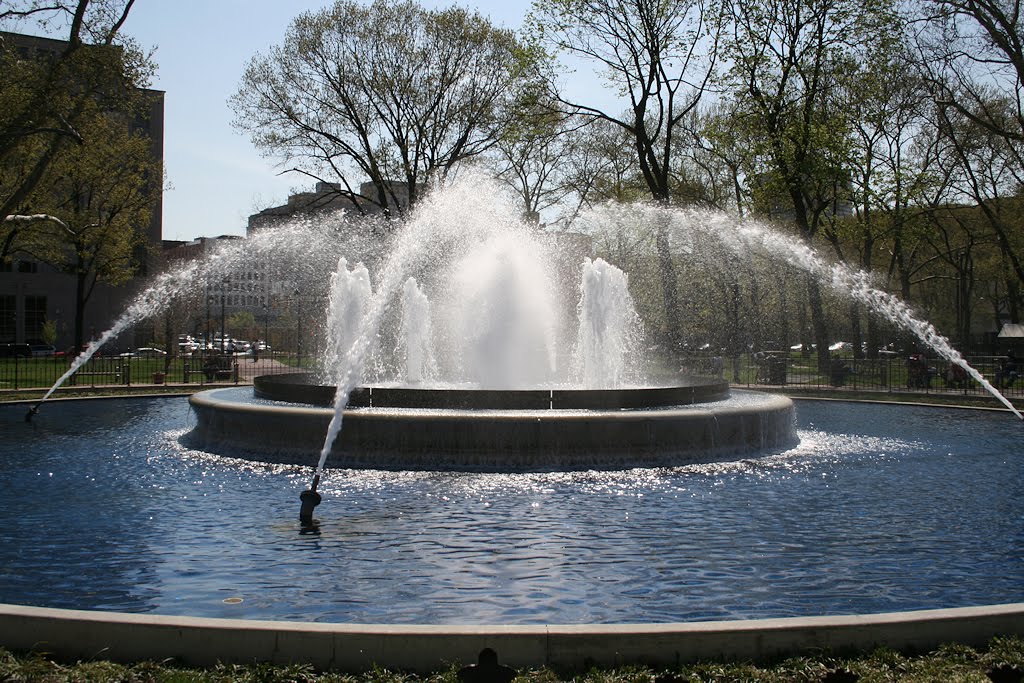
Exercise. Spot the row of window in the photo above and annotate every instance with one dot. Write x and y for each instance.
(34, 315)
(19, 267)
(217, 288)
(238, 300)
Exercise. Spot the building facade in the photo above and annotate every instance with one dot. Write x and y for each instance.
(37, 299)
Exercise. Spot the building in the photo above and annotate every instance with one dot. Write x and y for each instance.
(204, 312)
(35, 295)
(326, 197)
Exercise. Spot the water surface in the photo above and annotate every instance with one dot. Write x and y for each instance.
(879, 508)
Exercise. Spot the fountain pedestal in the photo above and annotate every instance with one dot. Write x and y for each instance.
(465, 430)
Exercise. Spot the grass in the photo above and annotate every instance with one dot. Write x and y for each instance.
(934, 398)
(12, 396)
(18, 374)
(952, 663)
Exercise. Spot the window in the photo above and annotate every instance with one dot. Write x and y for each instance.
(28, 267)
(8, 318)
(35, 318)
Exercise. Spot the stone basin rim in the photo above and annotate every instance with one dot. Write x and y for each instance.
(302, 388)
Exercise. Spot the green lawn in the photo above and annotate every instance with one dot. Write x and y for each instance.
(951, 663)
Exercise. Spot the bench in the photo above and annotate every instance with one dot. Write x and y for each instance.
(114, 375)
(219, 367)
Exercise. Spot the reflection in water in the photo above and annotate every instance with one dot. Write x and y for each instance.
(310, 528)
(877, 509)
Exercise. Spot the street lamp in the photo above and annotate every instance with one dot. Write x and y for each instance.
(209, 337)
(266, 321)
(224, 287)
(298, 329)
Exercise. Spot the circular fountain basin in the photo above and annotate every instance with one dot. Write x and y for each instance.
(879, 510)
(410, 428)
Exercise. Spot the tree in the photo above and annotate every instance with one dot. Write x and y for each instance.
(391, 92)
(986, 171)
(893, 174)
(973, 58)
(44, 97)
(602, 166)
(973, 53)
(660, 55)
(531, 158)
(243, 323)
(99, 197)
(792, 64)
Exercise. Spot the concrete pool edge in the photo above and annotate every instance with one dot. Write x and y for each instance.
(492, 440)
(87, 635)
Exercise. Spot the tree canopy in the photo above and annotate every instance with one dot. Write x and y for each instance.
(49, 93)
(391, 92)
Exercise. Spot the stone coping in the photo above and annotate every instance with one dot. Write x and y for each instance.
(491, 440)
(300, 387)
(71, 635)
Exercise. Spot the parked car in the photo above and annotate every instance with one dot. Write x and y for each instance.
(144, 352)
(15, 350)
(187, 345)
(43, 350)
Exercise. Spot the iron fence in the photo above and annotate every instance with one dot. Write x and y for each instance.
(890, 374)
(756, 370)
(105, 371)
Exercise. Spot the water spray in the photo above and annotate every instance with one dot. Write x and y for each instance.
(310, 499)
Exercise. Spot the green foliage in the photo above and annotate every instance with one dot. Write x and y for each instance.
(45, 93)
(949, 663)
(792, 67)
(103, 191)
(242, 324)
(49, 331)
(392, 92)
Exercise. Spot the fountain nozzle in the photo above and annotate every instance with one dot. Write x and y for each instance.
(31, 413)
(310, 499)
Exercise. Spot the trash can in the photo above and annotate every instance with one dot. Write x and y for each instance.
(776, 370)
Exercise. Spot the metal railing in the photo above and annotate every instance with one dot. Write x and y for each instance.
(891, 374)
(756, 370)
(105, 371)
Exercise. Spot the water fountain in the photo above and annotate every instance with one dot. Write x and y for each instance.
(524, 382)
(797, 534)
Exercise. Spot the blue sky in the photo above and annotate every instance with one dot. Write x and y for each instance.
(218, 178)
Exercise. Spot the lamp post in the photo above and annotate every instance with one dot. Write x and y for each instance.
(223, 290)
(209, 336)
(266, 321)
(298, 328)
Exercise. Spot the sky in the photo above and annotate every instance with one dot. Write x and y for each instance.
(217, 176)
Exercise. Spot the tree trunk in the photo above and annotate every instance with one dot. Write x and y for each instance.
(80, 299)
(874, 337)
(670, 290)
(857, 336)
(818, 322)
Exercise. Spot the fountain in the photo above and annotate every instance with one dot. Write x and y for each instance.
(521, 384)
(899, 511)
(547, 495)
